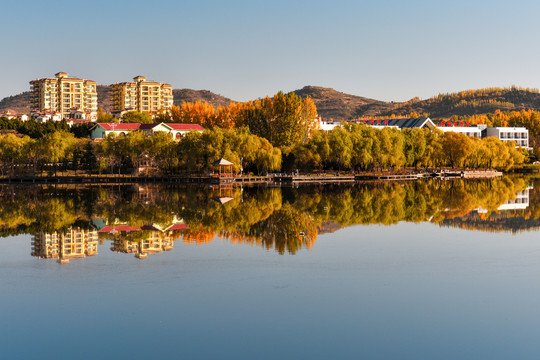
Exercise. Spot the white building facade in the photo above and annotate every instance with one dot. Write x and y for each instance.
(518, 134)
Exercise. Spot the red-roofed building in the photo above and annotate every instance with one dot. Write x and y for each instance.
(101, 130)
(178, 131)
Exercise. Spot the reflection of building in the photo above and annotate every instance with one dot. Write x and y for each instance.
(521, 201)
(140, 240)
(156, 242)
(75, 243)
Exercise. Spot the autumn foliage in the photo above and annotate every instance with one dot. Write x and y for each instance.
(283, 120)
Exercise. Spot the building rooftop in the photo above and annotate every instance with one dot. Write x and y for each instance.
(119, 126)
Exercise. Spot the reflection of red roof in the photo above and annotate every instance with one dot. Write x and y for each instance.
(121, 126)
(177, 227)
(185, 127)
(108, 228)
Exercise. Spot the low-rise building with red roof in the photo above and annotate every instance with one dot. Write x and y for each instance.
(177, 131)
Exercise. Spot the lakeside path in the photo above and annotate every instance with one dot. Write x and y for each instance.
(274, 179)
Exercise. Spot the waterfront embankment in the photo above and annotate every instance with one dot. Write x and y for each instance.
(268, 179)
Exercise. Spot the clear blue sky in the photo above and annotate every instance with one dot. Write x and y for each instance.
(385, 49)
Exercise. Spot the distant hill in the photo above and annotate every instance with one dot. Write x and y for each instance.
(19, 104)
(470, 102)
(104, 97)
(332, 104)
(189, 95)
(340, 106)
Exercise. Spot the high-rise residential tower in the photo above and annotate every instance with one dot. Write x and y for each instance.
(141, 95)
(64, 93)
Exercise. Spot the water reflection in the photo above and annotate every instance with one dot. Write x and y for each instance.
(63, 246)
(68, 222)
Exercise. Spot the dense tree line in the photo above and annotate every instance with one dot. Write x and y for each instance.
(158, 154)
(37, 130)
(354, 147)
(360, 147)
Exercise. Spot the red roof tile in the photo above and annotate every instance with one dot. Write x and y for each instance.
(185, 127)
(124, 126)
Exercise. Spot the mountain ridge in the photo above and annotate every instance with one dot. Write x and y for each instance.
(333, 104)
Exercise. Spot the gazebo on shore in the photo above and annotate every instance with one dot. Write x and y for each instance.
(225, 168)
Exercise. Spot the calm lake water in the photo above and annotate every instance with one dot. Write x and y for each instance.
(424, 270)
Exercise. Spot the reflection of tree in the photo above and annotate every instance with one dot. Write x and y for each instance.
(285, 219)
(198, 236)
(287, 229)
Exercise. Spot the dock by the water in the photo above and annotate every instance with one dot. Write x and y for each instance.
(313, 179)
(268, 179)
(443, 174)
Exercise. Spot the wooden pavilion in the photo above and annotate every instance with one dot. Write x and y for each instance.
(225, 172)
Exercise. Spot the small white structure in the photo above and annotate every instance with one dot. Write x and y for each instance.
(518, 134)
(8, 114)
(12, 115)
(328, 125)
(78, 114)
(44, 116)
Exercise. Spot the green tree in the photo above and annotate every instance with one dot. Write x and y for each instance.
(137, 117)
(455, 148)
(104, 117)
